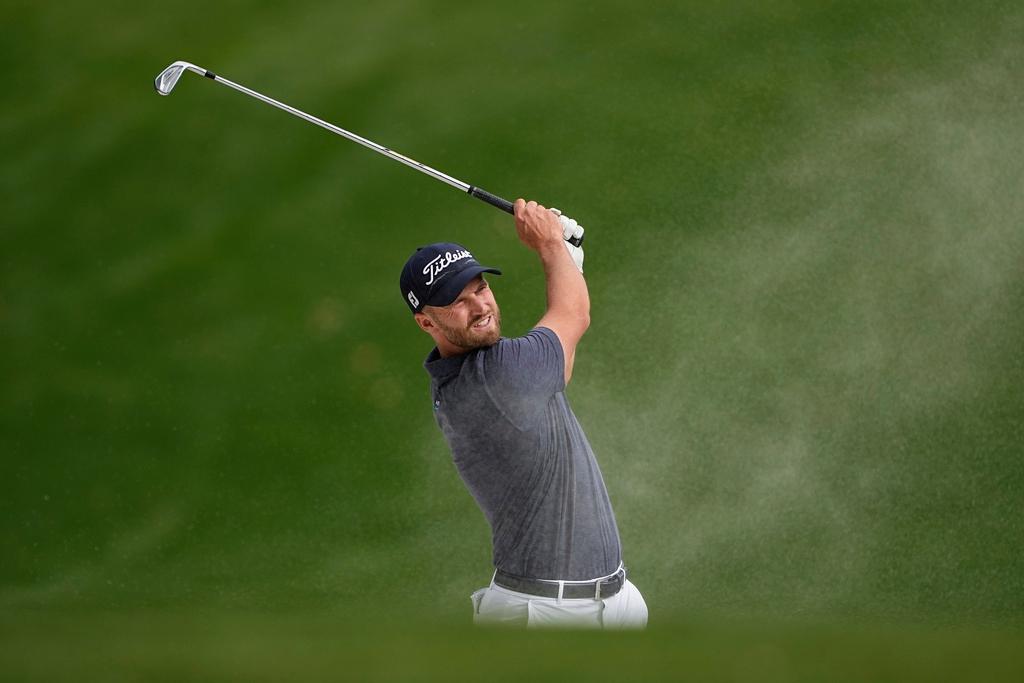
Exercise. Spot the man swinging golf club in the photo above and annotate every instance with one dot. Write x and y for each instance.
(502, 408)
(514, 439)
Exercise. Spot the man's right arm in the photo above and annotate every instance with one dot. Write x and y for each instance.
(568, 311)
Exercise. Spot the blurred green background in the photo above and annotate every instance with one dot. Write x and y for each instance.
(802, 380)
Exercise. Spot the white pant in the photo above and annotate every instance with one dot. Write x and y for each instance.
(498, 605)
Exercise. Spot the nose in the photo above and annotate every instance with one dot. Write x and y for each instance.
(478, 304)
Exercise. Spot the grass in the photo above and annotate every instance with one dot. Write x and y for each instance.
(253, 647)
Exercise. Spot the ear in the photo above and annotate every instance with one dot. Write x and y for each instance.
(425, 323)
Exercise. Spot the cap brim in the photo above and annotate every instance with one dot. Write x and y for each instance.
(449, 288)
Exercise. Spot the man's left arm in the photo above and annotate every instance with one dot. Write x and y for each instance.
(568, 310)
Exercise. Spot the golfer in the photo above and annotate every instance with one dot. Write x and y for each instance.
(515, 441)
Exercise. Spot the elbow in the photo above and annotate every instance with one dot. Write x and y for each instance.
(584, 321)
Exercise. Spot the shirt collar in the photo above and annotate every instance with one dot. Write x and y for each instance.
(443, 368)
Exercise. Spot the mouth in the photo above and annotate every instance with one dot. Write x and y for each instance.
(483, 322)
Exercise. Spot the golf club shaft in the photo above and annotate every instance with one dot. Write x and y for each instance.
(477, 192)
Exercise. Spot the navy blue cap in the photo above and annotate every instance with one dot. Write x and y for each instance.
(436, 274)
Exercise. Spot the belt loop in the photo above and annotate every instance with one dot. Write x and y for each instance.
(597, 590)
(561, 589)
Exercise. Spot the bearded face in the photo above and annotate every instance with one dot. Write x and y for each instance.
(470, 322)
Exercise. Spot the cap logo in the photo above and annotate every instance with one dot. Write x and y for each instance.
(413, 300)
(440, 262)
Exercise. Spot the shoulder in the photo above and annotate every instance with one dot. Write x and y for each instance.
(536, 344)
(528, 365)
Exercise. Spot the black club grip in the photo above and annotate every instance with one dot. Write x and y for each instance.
(492, 199)
(505, 205)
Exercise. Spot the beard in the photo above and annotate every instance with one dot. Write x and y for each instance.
(470, 338)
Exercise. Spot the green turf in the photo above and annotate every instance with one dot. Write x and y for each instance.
(803, 376)
(244, 647)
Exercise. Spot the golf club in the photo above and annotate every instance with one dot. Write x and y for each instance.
(168, 78)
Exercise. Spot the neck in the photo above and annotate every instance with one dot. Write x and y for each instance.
(446, 349)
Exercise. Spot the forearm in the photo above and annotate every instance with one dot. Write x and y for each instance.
(567, 292)
(568, 313)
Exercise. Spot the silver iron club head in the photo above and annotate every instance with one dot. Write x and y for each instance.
(168, 78)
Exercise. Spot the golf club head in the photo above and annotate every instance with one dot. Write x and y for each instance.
(168, 78)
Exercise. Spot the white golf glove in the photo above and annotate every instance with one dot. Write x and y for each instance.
(571, 229)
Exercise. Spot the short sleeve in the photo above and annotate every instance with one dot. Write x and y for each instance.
(522, 374)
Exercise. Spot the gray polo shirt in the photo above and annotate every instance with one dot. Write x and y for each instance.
(524, 458)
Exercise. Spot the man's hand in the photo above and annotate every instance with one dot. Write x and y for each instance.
(571, 230)
(536, 225)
